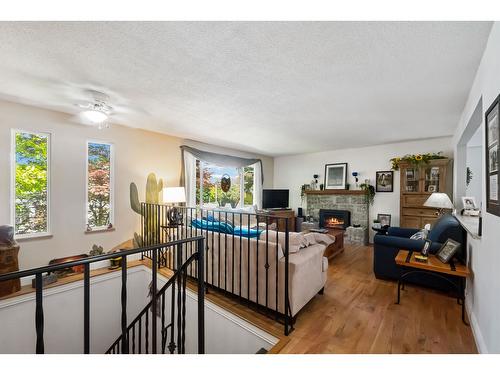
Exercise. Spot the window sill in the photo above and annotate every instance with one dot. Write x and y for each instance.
(99, 230)
(43, 236)
(470, 224)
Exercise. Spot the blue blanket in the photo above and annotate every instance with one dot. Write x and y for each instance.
(223, 227)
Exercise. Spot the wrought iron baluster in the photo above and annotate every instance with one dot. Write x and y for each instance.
(241, 257)
(140, 336)
(184, 284)
(267, 261)
(124, 304)
(146, 338)
(154, 286)
(248, 258)
(201, 298)
(133, 339)
(171, 345)
(277, 271)
(86, 308)
(40, 346)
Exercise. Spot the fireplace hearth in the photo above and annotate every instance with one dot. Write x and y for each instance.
(334, 219)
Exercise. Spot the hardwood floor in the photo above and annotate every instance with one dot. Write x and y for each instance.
(357, 314)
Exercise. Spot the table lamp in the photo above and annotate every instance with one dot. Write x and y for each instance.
(439, 200)
(174, 195)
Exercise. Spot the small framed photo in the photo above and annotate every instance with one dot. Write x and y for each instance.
(384, 219)
(469, 203)
(448, 250)
(385, 181)
(335, 176)
(434, 175)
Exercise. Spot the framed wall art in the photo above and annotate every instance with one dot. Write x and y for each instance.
(384, 181)
(492, 130)
(335, 176)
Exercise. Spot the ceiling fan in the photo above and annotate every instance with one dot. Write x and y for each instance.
(97, 108)
(95, 112)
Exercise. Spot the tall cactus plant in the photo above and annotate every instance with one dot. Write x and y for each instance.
(154, 188)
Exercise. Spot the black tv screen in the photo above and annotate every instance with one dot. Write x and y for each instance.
(275, 198)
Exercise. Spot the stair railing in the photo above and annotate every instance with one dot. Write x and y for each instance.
(142, 326)
(154, 250)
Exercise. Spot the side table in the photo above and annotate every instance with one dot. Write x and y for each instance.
(436, 268)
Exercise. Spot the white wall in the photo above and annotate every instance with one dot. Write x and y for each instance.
(475, 164)
(483, 288)
(137, 153)
(63, 315)
(290, 172)
(225, 333)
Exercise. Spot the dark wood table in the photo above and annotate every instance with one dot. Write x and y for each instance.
(335, 248)
(436, 268)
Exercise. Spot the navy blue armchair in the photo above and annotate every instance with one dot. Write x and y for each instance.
(386, 248)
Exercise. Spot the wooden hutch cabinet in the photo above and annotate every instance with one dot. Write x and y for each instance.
(417, 184)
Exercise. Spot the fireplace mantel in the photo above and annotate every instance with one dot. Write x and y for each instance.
(334, 192)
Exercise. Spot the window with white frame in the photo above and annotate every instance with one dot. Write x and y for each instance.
(99, 185)
(212, 185)
(31, 181)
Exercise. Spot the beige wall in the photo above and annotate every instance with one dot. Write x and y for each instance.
(137, 153)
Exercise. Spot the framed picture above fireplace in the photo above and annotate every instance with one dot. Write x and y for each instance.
(335, 176)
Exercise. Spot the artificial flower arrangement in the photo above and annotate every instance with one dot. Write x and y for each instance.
(416, 159)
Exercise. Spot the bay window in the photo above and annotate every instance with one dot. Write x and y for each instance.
(224, 186)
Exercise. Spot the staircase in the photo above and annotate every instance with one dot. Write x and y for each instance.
(148, 330)
(141, 335)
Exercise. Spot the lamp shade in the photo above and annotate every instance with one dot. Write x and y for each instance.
(439, 200)
(174, 195)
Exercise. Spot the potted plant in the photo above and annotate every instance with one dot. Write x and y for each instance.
(369, 191)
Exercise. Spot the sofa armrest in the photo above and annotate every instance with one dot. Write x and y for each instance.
(401, 232)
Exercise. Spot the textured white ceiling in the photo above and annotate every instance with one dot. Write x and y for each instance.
(269, 87)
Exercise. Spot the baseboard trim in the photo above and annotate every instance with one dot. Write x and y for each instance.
(476, 331)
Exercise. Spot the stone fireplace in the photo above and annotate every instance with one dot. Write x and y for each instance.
(334, 219)
(321, 204)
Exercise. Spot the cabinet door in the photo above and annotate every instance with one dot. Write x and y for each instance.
(414, 200)
(410, 222)
(434, 178)
(410, 177)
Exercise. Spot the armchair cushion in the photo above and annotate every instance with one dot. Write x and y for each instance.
(401, 232)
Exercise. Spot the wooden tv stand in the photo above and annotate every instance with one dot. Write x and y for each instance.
(281, 224)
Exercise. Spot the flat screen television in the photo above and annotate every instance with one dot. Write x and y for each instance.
(275, 198)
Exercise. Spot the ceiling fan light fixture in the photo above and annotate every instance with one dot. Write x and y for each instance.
(95, 116)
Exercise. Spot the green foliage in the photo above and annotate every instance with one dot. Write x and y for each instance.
(416, 159)
(99, 183)
(31, 183)
(370, 192)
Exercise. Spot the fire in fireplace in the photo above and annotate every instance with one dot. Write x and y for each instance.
(338, 219)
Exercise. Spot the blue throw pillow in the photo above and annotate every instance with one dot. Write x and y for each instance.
(244, 232)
